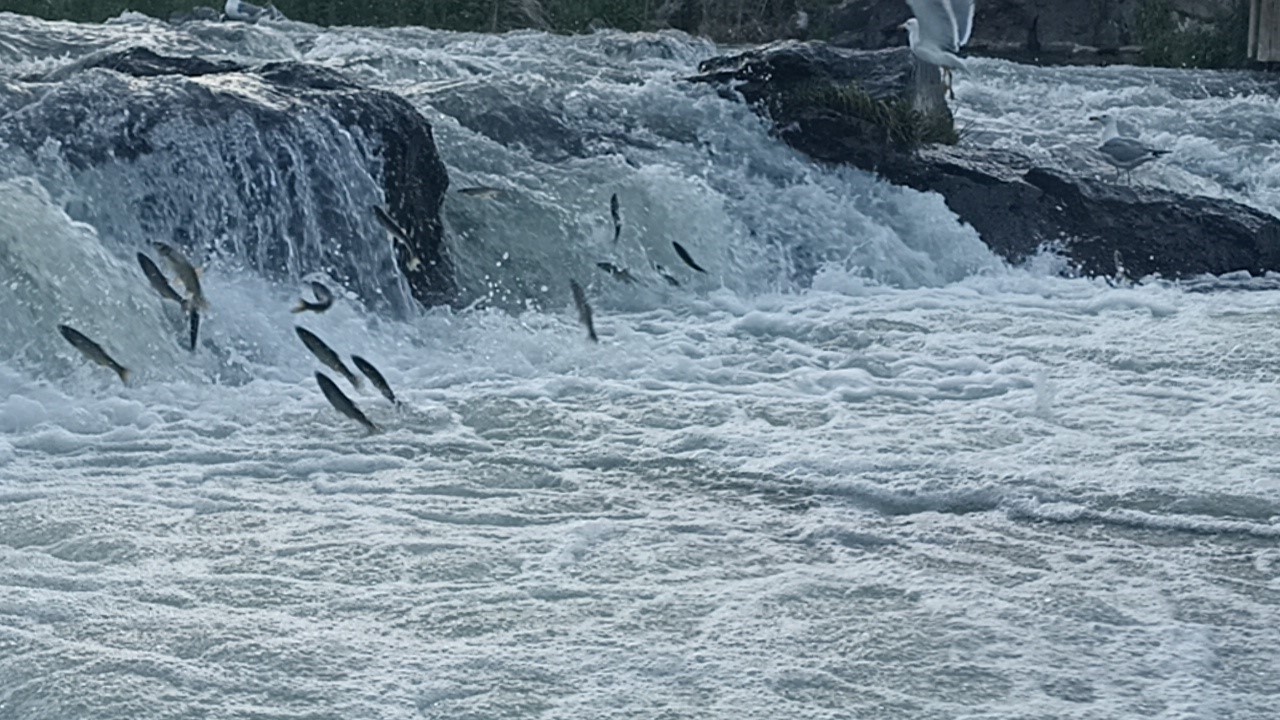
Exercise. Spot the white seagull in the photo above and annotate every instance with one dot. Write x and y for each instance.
(938, 31)
(1123, 153)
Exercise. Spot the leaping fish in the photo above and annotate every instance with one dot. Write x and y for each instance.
(584, 310)
(398, 235)
(186, 273)
(617, 217)
(193, 326)
(159, 282)
(342, 403)
(376, 378)
(481, 191)
(686, 257)
(618, 272)
(326, 355)
(662, 272)
(93, 351)
(324, 300)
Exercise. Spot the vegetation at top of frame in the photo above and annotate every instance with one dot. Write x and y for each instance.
(723, 20)
(1218, 45)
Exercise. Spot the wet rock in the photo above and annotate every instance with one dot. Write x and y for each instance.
(243, 161)
(1016, 206)
(836, 104)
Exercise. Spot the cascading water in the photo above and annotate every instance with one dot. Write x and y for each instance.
(861, 468)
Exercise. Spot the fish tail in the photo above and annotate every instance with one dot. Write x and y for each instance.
(355, 380)
(302, 307)
(123, 372)
(194, 324)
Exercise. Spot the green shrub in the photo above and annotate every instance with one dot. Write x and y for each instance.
(723, 20)
(896, 121)
(1220, 45)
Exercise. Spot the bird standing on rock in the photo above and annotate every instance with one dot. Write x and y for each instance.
(1123, 153)
(938, 31)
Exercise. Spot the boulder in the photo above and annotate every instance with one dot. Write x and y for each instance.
(1016, 206)
(273, 167)
(836, 104)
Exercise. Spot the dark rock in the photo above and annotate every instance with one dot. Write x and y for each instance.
(198, 13)
(868, 24)
(1016, 207)
(138, 62)
(781, 80)
(255, 163)
(764, 71)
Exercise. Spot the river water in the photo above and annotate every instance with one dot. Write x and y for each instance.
(861, 468)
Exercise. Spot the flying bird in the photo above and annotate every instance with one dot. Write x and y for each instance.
(938, 31)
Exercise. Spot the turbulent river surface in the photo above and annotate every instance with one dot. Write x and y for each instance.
(861, 468)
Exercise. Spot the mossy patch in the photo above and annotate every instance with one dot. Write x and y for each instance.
(901, 125)
(1221, 44)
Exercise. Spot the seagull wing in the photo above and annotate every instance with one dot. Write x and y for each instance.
(938, 26)
(1127, 152)
(962, 10)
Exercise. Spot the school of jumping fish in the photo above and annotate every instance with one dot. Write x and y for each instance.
(194, 301)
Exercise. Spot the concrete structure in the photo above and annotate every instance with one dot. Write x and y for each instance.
(1264, 30)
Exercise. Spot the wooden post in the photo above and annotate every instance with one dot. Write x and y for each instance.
(931, 94)
(1252, 52)
(1264, 30)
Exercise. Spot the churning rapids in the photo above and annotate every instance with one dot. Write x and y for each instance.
(861, 469)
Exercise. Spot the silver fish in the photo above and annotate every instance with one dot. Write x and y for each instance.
(193, 321)
(326, 354)
(620, 273)
(483, 192)
(324, 300)
(93, 351)
(584, 310)
(376, 378)
(185, 271)
(384, 218)
(671, 280)
(686, 257)
(398, 236)
(617, 217)
(159, 282)
(342, 403)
